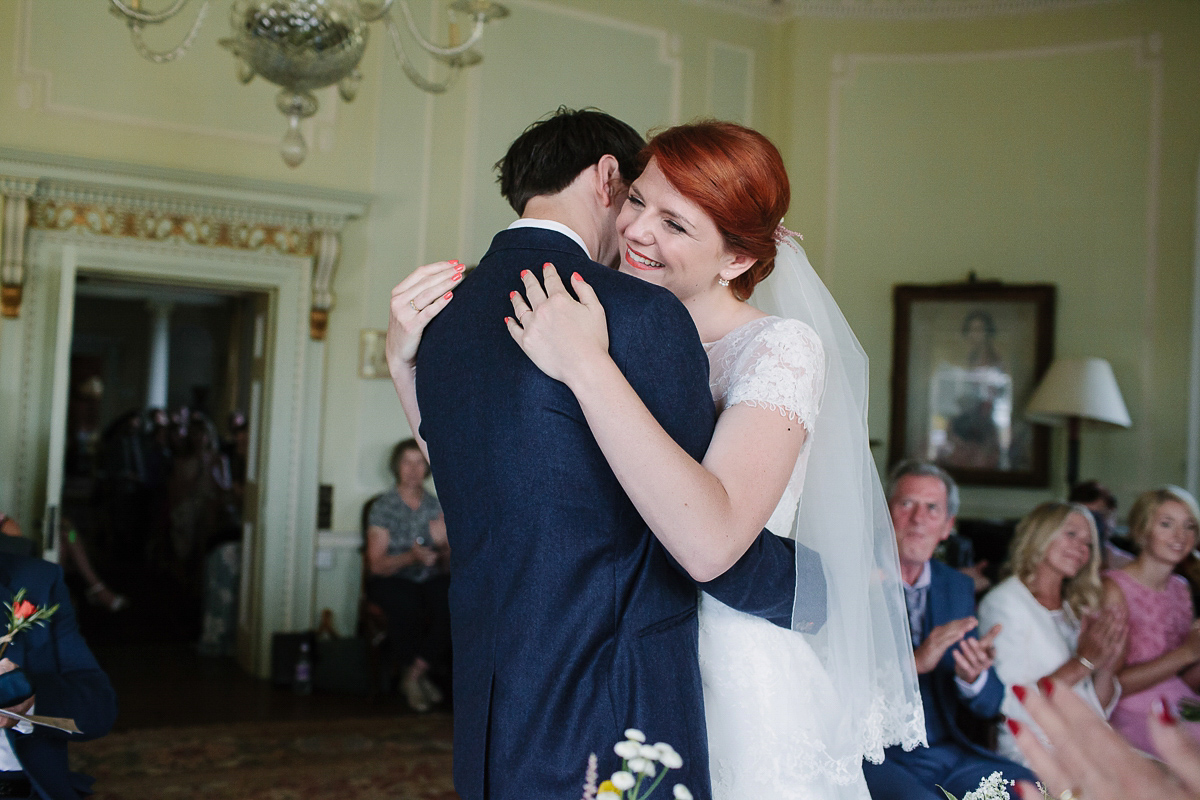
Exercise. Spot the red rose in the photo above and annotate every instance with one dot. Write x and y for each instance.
(24, 610)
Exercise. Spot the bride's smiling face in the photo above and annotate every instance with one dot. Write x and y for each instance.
(669, 240)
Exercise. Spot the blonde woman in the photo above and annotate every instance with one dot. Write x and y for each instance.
(1052, 627)
(1163, 662)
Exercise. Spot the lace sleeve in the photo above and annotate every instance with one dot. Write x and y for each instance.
(782, 368)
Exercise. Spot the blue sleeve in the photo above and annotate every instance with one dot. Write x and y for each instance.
(77, 687)
(665, 363)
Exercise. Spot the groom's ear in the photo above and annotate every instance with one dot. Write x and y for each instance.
(611, 187)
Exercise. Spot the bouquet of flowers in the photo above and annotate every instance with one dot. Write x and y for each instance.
(993, 787)
(640, 762)
(22, 615)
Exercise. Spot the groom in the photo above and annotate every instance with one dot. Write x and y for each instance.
(571, 622)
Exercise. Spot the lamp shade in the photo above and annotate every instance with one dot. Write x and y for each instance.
(1078, 387)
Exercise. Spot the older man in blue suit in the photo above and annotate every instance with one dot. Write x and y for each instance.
(48, 670)
(954, 666)
(570, 621)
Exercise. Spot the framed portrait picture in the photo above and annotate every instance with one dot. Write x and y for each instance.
(372, 360)
(966, 359)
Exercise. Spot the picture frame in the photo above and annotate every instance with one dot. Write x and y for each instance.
(966, 359)
(372, 356)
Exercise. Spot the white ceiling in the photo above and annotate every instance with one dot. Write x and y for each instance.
(898, 9)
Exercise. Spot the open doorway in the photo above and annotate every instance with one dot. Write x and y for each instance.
(157, 445)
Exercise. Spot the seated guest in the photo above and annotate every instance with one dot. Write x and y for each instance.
(954, 666)
(1102, 504)
(1048, 610)
(1163, 658)
(48, 670)
(408, 566)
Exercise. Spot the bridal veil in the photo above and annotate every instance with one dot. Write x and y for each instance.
(865, 644)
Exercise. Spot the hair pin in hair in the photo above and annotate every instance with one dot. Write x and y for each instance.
(782, 234)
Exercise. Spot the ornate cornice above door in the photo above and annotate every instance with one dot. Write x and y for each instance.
(897, 9)
(87, 198)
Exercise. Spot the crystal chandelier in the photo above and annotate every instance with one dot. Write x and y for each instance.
(302, 45)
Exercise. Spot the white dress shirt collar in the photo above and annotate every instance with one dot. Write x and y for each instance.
(926, 577)
(551, 225)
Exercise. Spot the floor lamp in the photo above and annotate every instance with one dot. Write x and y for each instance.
(1075, 391)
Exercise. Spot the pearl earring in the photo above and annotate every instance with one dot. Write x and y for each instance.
(722, 282)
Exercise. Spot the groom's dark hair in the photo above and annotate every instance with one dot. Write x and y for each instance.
(551, 153)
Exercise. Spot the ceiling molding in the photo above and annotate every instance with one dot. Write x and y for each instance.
(780, 10)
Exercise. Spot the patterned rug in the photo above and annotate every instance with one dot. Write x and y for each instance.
(402, 758)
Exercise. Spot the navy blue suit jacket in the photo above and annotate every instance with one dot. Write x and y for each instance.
(66, 680)
(951, 597)
(570, 621)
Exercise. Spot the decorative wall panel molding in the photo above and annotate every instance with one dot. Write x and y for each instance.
(97, 200)
(896, 9)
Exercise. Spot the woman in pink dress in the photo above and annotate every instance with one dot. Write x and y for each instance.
(1163, 657)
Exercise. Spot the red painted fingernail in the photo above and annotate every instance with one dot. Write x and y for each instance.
(1021, 791)
(1162, 710)
(456, 278)
(459, 266)
(507, 320)
(512, 295)
(1019, 691)
(524, 272)
(447, 295)
(1047, 687)
(1013, 726)
(575, 276)
(547, 265)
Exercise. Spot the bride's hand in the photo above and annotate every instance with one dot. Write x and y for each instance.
(415, 301)
(560, 335)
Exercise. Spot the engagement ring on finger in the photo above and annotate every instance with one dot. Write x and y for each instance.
(413, 303)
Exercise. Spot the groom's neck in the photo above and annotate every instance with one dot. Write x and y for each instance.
(574, 215)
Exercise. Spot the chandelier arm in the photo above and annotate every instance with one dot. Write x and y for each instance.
(476, 35)
(149, 17)
(370, 15)
(416, 77)
(166, 56)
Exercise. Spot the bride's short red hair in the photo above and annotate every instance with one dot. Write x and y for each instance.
(736, 175)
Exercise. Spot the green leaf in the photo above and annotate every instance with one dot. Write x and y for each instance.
(948, 795)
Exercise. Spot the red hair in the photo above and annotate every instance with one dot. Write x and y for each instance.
(736, 175)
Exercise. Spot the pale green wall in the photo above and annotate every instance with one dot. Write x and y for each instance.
(1016, 145)
(77, 88)
(1053, 147)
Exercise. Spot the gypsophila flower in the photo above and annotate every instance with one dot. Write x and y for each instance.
(648, 752)
(682, 793)
(623, 780)
(635, 735)
(642, 766)
(627, 749)
(669, 758)
(993, 787)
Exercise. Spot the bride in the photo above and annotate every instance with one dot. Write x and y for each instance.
(790, 714)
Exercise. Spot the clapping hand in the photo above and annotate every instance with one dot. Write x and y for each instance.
(941, 639)
(973, 657)
(24, 706)
(415, 301)
(560, 334)
(423, 555)
(1102, 638)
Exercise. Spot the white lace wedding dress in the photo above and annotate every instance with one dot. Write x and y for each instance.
(769, 704)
